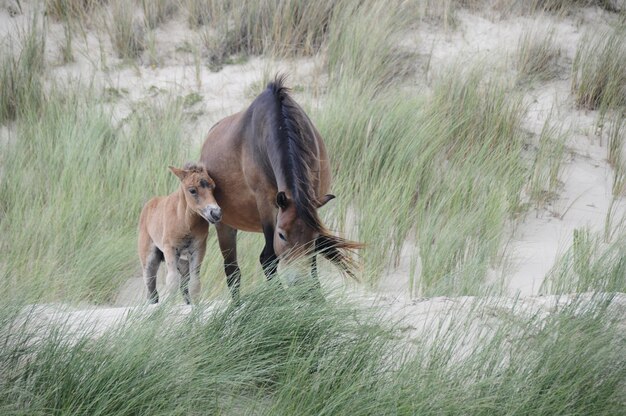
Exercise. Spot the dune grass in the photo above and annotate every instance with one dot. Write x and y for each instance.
(598, 72)
(126, 31)
(547, 164)
(592, 264)
(564, 6)
(72, 189)
(278, 355)
(71, 9)
(287, 28)
(445, 169)
(21, 69)
(616, 151)
(363, 49)
(537, 55)
(156, 12)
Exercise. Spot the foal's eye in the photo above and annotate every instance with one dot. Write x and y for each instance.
(282, 237)
(193, 191)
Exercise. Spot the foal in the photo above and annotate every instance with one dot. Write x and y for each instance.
(174, 226)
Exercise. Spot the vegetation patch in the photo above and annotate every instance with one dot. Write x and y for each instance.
(598, 72)
(72, 187)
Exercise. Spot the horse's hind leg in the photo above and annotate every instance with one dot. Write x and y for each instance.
(227, 238)
(150, 269)
(183, 269)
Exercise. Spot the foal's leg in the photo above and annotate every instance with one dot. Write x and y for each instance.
(173, 276)
(195, 262)
(183, 270)
(150, 269)
(227, 238)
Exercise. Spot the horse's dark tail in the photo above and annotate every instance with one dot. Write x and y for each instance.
(339, 251)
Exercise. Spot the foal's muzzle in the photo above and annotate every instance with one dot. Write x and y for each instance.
(212, 213)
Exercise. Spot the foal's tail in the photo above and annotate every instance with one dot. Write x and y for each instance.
(339, 251)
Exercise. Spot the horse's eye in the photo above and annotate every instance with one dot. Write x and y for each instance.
(282, 237)
(193, 191)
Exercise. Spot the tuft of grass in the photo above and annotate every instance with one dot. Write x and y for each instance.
(72, 188)
(363, 45)
(616, 155)
(292, 27)
(537, 55)
(591, 264)
(563, 6)
(199, 12)
(598, 72)
(546, 167)
(63, 10)
(156, 12)
(127, 33)
(21, 72)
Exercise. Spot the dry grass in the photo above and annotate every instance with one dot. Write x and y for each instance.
(21, 71)
(71, 9)
(537, 55)
(126, 31)
(598, 72)
(156, 12)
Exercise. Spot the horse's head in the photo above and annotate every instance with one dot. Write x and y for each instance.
(294, 236)
(197, 186)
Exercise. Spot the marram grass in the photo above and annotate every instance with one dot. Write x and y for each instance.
(278, 354)
(73, 184)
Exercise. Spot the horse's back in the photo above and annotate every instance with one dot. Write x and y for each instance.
(150, 218)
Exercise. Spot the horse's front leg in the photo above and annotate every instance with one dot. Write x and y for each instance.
(227, 238)
(172, 280)
(268, 258)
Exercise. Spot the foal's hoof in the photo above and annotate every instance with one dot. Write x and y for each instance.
(153, 299)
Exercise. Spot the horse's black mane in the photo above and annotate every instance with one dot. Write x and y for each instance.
(297, 141)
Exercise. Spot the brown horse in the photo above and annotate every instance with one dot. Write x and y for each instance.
(272, 174)
(174, 226)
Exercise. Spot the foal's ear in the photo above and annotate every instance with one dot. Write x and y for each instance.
(324, 200)
(281, 200)
(181, 173)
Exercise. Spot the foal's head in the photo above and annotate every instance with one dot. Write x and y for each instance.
(197, 186)
(296, 229)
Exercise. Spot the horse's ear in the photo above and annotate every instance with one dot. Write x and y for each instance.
(324, 200)
(182, 174)
(281, 200)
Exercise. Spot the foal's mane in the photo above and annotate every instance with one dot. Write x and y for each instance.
(296, 139)
(194, 167)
